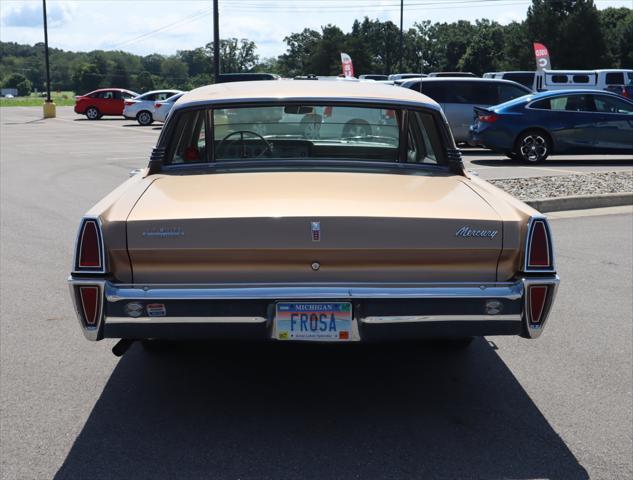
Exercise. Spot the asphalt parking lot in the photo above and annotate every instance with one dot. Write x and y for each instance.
(560, 407)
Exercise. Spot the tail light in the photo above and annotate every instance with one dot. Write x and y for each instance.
(129, 102)
(90, 304)
(327, 112)
(539, 255)
(537, 298)
(158, 105)
(489, 118)
(89, 253)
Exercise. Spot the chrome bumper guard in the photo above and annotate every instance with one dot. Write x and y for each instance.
(116, 298)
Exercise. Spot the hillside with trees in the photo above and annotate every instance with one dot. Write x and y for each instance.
(577, 34)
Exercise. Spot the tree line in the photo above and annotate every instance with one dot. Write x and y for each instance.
(577, 34)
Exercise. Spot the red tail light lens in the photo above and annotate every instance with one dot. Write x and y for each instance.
(89, 255)
(539, 251)
(89, 296)
(491, 118)
(327, 112)
(158, 105)
(128, 102)
(537, 297)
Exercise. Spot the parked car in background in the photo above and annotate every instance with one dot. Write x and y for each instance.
(245, 77)
(525, 78)
(163, 107)
(373, 76)
(570, 121)
(279, 238)
(405, 76)
(141, 107)
(458, 97)
(453, 74)
(105, 101)
(619, 81)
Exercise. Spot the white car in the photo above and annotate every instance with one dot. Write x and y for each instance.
(141, 108)
(163, 107)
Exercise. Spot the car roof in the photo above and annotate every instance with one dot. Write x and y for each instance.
(162, 90)
(577, 91)
(302, 90)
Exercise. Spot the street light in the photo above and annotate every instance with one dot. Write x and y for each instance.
(49, 105)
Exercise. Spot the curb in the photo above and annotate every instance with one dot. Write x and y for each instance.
(581, 202)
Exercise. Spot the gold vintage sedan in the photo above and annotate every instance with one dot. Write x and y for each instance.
(310, 211)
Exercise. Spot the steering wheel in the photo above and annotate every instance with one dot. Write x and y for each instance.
(223, 143)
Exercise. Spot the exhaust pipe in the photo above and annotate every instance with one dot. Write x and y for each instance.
(122, 346)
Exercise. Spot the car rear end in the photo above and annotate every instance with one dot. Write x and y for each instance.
(131, 107)
(231, 269)
(313, 248)
(496, 128)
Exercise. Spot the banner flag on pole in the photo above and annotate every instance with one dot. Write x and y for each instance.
(348, 67)
(542, 56)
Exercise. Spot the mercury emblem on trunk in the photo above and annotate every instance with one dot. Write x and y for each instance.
(315, 227)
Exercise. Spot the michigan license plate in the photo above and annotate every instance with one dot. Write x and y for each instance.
(326, 322)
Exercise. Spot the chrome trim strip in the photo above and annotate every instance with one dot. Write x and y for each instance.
(116, 293)
(439, 318)
(158, 320)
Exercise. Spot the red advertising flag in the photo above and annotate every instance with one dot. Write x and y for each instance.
(542, 56)
(348, 67)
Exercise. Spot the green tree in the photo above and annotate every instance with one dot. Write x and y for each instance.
(571, 30)
(144, 81)
(326, 59)
(484, 50)
(174, 72)
(86, 78)
(19, 82)
(301, 48)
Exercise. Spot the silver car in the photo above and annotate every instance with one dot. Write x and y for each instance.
(163, 107)
(141, 108)
(459, 96)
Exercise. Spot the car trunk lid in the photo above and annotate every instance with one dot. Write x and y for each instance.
(292, 227)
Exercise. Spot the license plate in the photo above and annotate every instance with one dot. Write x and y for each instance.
(322, 321)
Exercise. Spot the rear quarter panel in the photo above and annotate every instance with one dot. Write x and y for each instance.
(515, 216)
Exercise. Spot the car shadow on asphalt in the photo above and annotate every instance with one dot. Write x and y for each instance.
(316, 412)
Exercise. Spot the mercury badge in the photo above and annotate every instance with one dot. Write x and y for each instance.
(315, 227)
(468, 232)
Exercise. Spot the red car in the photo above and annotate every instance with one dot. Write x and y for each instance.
(105, 101)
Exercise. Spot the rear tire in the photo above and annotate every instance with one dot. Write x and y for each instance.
(533, 146)
(144, 118)
(93, 113)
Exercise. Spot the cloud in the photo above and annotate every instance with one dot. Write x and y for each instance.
(30, 15)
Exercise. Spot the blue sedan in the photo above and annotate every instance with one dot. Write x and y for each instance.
(532, 127)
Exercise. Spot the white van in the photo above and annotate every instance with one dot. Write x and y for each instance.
(615, 80)
(524, 77)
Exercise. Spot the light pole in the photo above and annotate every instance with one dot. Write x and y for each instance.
(401, 36)
(216, 41)
(49, 106)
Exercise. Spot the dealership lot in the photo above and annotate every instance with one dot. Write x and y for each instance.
(557, 407)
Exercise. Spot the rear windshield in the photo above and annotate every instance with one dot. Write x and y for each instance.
(301, 132)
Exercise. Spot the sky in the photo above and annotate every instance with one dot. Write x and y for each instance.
(166, 26)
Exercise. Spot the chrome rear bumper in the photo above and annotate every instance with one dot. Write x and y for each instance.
(390, 311)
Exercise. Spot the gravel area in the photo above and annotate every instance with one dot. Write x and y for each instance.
(567, 185)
